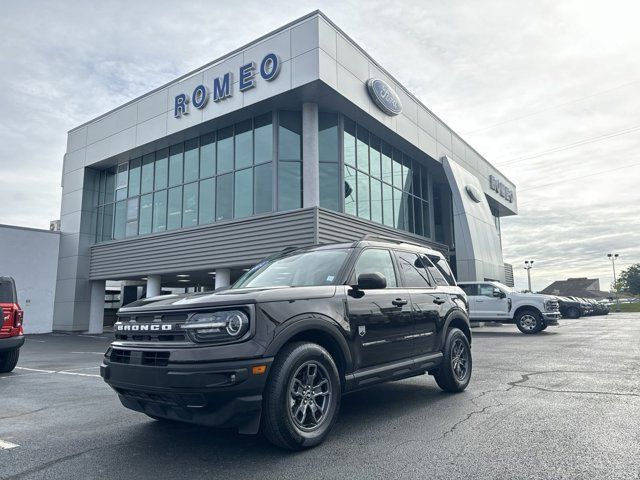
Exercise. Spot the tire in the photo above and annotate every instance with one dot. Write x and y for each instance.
(301, 425)
(529, 321)
(573, 312)
(9, 360)
(544, 326)
(454, 374)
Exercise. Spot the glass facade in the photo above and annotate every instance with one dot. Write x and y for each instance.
(255, 167)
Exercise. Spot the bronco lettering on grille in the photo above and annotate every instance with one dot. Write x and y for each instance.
(144, 328)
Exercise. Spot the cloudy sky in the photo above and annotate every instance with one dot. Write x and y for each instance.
(548, 91)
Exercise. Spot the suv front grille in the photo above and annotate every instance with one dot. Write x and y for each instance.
(176, 334)
(136, 357)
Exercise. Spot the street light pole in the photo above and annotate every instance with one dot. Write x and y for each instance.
(528, 265)
(613, 257)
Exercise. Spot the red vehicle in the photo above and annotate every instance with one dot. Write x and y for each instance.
(11, 335)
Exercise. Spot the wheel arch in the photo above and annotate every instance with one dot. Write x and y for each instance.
(522, 308)
(456, 319)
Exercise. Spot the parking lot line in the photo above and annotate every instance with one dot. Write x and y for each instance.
(62, 372)
(7, 445)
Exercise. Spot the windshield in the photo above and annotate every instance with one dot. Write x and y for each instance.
(317, 267)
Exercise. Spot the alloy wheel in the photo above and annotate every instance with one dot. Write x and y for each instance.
(528, 322)
(459, 359)
(310, 396)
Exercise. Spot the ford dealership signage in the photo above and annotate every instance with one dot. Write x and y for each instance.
(384, 96)
(474, 193)
(501, 189)
(222, 87)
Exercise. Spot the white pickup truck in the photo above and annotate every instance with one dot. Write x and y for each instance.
(495, 302)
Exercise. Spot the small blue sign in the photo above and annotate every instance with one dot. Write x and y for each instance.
(384, 96)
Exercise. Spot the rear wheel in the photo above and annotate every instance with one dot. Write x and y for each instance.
(529, 321)
(302, 397)
(455, 372)
(9, 360)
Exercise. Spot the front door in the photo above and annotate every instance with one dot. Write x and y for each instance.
(487, 305)
(381, 318)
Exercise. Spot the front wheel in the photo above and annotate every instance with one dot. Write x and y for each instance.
(455, 372)
(529, 321)
(9, 360)
(302, 397)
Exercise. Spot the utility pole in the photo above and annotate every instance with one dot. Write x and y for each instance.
(528, 265)
(613, 257)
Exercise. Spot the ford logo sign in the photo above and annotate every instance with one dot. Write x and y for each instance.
(384, 96)
(474, 193)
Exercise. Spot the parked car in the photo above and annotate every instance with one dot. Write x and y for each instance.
(586, 307)
(275, 351)
(11, 335)
(496, 302)
(571, 308)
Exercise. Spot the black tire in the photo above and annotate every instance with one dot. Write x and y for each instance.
(9, 360)
(453, 376)
(297, 366)
(544, 326)
(573, 312)
(529, 321)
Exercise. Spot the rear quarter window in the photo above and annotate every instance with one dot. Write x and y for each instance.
(7, 291)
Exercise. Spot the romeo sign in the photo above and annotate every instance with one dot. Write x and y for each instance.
(222, 86)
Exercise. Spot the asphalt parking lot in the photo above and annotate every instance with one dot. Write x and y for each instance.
(561, 404)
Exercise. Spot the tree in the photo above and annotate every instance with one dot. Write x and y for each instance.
(629, 280)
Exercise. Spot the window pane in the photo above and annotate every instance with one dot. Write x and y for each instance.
(121, 193)
(146, 210)
(122, 175)
(243, 191)
(263, 182)
(120, 220)
(263, 138)
(413, 271)
(387, 173)
(349, 142)
(225, 150)
(407, 174)
(417, 216)
(107, 226)
(174, 210)
(175, 165)
(289, 185)
(190, 205)
(416, 184)
(101, 180)
(99, 224)
(376, 200)
(134, 177)
(289, 132)
(387, 204)
(162, 164)
(244, 144)
(397, 168)
(207, 155)
(191, 160)
(364, 209)
(224, 197)
(350, 190)
(147, 173)
(374, 157)
(132, 209)
(424, 190)
(408, 202)
(398, 211)
(109, 186)
(362, 147)
(207, 204)
(160, 211)
(330, 186)
(328, 137)
(426, 223)
(376, 261)
(132, 227)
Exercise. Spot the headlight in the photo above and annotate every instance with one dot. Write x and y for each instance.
(219, 327)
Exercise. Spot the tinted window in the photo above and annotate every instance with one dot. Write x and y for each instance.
(6, 292)
(470, 290)
(436, 272)
(376, 261)
(413, 271)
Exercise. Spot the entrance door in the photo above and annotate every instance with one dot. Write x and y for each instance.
(381, 318)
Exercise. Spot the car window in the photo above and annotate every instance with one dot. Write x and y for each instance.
(413, 271)
(7, 292)
(442, 267)
(436, 272)
(374, 260)
(486, 289)
(470, 290)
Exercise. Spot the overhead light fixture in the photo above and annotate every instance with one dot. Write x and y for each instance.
(144, 278)
(182, 275)
(184, 281)
(211, 273)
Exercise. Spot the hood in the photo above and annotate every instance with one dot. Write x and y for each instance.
(229, 296)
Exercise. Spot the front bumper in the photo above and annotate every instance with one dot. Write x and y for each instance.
(10, 344)
(225, 394)
(551, 318)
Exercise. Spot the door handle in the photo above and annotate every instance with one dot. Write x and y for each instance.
(398, 302)
(438, 301)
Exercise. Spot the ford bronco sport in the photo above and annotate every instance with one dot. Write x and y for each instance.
(276, 350)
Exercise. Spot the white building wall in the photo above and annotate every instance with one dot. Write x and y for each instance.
(30, 256)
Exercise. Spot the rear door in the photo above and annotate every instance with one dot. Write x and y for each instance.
(381, 318)
(425, 300)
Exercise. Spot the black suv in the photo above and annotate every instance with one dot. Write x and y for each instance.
(276, 350)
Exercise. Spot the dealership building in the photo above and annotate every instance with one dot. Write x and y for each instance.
(297, 138)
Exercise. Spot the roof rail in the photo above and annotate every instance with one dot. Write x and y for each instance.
(384, 238)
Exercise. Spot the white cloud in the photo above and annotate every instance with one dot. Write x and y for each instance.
(485, 68)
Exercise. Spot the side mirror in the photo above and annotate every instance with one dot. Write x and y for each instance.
(499, 293)
(371, 281)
